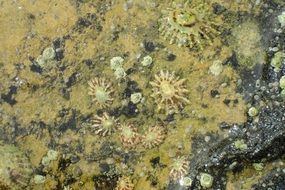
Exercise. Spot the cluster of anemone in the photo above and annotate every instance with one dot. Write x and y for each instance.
(179, 168)
(169, 91)
(124, 183)
(153, 137)
(105, 125)
(189, 25)
(101, 91)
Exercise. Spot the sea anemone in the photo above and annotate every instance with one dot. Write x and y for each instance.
(104, 125)
(153, 137)
(101, 90)
(179, 168)
(169, 91)
(129, 135)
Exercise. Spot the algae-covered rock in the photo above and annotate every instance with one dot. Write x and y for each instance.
(274, 180)
(264, 141)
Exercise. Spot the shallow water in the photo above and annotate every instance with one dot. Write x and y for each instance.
(83, 83)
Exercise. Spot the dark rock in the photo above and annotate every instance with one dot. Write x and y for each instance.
(115, 34)
(128, 157)
(83, 22)
(116, 112)
(169, 118)
(88, 62)
(264, 139)
(63, 163)
(227, 101)
(269, 24)
(68, 180)
(90, 20)
(31, 16)
(170, 57)
(36, 68)
(235, 101)
(74, 158)
(9, 96)
(214, 93)
(148, 46)
(130, 110)
(104, 168)
(257, 84)
(275, 180)
(236, 167)
(104, 152)
(132, 87)
(66, 120)
(71, 80)
(175, 186)
(40, 170)
(19, 66)
(224, 126)
(11, 130)
(218, 8)
(105, 182)
(130, 71)
(155, 161)
(58, 45)
(65, 93)
(232, 61)
(77, 172)
(106, 149)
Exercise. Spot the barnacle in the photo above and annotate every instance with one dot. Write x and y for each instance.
(153, 137)
(190, 25)
(129, 135)
(101, 90)
(125, 183)
(105, 124)
(169, 91)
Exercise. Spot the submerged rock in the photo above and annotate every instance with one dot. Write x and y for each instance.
(264, 141)
(274, 180)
